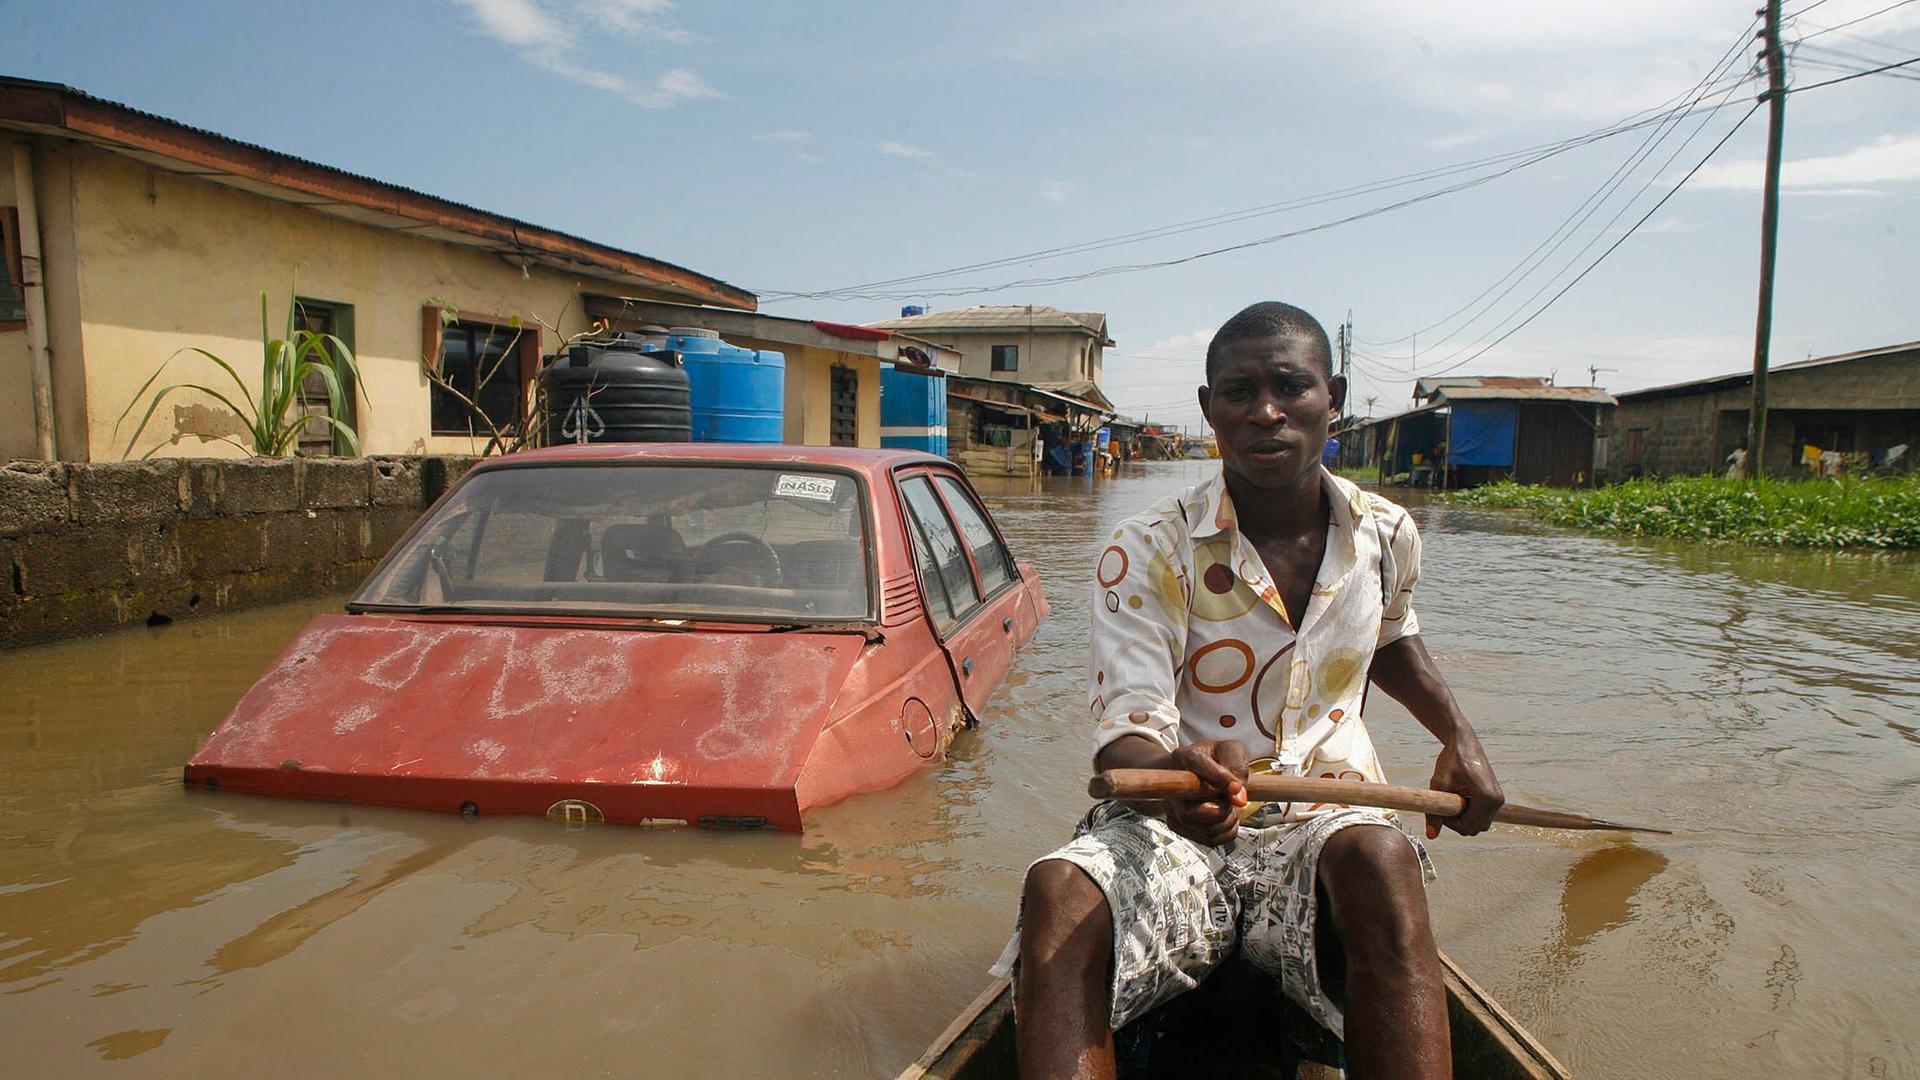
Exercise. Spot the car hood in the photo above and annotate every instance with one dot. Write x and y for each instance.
(642, 723)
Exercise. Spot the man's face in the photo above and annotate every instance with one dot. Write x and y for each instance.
(1269, 405)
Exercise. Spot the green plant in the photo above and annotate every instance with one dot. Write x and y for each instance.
(273, 420)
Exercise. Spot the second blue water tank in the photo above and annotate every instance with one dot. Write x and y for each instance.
(738, 395)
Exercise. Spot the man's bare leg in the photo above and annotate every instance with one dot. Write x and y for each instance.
(1066, 964)
(1396, 1001)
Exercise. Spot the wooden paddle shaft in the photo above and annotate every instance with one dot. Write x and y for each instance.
(1148, 784)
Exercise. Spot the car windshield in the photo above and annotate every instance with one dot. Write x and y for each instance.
(674, 541)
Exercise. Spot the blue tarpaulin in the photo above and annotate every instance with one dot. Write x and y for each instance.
(1482, 434)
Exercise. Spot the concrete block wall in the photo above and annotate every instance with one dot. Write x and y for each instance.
(92, 547)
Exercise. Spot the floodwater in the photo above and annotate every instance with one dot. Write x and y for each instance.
(1761, 703)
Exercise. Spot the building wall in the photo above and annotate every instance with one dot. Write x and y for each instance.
(161, 262)
(95, 547)
(16, 375)
(1046, 356)
(809, 393)
(1692, 433)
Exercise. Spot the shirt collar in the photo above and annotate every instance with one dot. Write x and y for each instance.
(1214, 513)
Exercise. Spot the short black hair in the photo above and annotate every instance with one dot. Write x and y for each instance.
(1271, 318)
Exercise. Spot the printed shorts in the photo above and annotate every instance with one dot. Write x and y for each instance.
(1179, 908)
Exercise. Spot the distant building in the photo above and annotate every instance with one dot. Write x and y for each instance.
(1041, 346)
(1859, 404)
(1425, 389)
(155, 237)
(1467, 434)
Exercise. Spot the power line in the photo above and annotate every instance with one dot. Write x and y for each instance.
(1603, 255)
(1527, 156)
(1858, 74)
(1820, 31)
(1570, 226)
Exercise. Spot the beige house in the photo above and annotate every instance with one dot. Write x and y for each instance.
(128, 238)
(1041, 346)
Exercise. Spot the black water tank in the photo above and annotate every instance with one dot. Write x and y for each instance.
(610, 391)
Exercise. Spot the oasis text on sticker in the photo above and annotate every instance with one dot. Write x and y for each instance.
(817, 488)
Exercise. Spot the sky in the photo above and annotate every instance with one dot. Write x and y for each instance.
(795, 148)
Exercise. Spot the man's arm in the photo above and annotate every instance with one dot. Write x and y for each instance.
(1404, 670)
(1221, 765)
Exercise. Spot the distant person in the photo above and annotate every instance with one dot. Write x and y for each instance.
(1737, 463)
(1236, 626)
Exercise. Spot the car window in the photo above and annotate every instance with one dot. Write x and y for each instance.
(989, 555)
(672, 540)
(948, 558)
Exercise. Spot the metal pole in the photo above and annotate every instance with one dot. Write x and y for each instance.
(1776, 99)
(33, 286)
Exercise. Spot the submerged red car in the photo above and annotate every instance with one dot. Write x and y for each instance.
(648, 633)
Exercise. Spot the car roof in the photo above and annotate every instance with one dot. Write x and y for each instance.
(872, 462)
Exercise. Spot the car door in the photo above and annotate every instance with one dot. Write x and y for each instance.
(979, 648)
(1007, 595)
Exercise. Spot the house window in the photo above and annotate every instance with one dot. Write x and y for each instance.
(325, 317)
(844, 407)
(1006, 358)
(483, 366)
(13, 295)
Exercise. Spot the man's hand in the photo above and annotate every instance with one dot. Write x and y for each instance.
(1462, 769)
(1213, 820)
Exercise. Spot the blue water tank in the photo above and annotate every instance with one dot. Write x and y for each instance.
(913, 411)
(738, 395)
(910, 310)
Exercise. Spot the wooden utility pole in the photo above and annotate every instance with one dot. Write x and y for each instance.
(1776, 99)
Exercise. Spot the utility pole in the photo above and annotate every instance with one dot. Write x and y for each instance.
(1593, 374)
(1346, 342)
(1776, 99)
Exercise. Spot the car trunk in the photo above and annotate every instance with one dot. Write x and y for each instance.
(705, 726)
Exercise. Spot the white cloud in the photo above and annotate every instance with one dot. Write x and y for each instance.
(1888, 159)
(807, 157)
(549, 35)
(900, 149)
(1054, 191)
(786, 135)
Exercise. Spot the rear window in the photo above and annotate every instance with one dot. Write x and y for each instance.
(679, 541)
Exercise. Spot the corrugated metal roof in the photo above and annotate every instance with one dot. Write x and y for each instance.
(33, 105)
(1005, 317)
(1718, 382)
(1581, 395)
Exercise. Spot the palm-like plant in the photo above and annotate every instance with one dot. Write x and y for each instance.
(273, 420)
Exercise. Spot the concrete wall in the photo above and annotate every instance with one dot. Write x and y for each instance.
(809, 394)
(1046, 356)
(1673, 434)
(95, 547)
(143, 263)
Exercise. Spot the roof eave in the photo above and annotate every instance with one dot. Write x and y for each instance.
(53, 108)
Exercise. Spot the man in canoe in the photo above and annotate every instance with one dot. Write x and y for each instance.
(1235, 626)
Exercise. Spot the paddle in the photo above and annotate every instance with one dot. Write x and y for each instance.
(1150, 784)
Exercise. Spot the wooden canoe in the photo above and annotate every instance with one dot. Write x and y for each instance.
(1488, 1043)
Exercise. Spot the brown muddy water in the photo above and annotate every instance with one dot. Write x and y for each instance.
(1764, 704)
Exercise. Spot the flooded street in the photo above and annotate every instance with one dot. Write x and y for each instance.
(1762, 704)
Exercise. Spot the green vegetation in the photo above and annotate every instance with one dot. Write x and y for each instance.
(1843, 513)
(1358, 474)
(273, 421)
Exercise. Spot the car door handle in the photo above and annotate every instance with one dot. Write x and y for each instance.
(966, 667)
(1007, 625)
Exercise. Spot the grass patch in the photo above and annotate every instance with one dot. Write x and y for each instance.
(1846, 513)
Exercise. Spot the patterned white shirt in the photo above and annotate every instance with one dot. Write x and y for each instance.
(1191, 640)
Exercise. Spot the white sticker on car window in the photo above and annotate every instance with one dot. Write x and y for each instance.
(817, 488)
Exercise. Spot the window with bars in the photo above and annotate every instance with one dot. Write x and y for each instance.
(13, 297)
(845, 403)
(324, 317)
